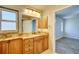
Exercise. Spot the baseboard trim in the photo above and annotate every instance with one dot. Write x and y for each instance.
(72, 38)
(59, 37)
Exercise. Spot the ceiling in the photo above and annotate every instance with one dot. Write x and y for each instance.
(34, 7)
(69, 12)
(38, 7)
(46, 7)
(41, 7)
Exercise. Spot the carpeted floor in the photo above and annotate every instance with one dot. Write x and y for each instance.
(67, 46)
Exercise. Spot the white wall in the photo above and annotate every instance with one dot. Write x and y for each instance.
(58, 32)
(72, 27)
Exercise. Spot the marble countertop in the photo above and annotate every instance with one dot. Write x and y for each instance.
(24, 36)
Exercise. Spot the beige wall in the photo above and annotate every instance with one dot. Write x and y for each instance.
(50, 12)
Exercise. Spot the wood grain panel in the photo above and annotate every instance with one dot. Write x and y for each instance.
(43, 23)
(5, 46)
(0, 47)
(38, 45)
(15, 46)
(45, 42)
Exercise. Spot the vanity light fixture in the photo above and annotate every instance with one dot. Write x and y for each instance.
(31, 12)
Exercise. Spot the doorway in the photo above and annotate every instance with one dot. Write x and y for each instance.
(67, 30)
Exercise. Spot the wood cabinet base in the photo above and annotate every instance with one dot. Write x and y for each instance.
(34, 45)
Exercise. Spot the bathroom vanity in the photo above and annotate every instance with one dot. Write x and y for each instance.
(25, 44)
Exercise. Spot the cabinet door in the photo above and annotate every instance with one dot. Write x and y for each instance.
(0, 47)
(5, 47)
(40, 23)
(45, 42)
(38, 45)
(43, 23)
(28, 46)
(15, 46)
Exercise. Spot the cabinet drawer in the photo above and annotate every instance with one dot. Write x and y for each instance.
(28, 50)
(27, 41)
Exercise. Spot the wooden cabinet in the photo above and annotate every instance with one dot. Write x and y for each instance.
(38, 45)
(34, 45)
(15, 46)
(5, 46)
(28, 46)
(40, 23)
(45, 42)
(0, 47)
(43, 24)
